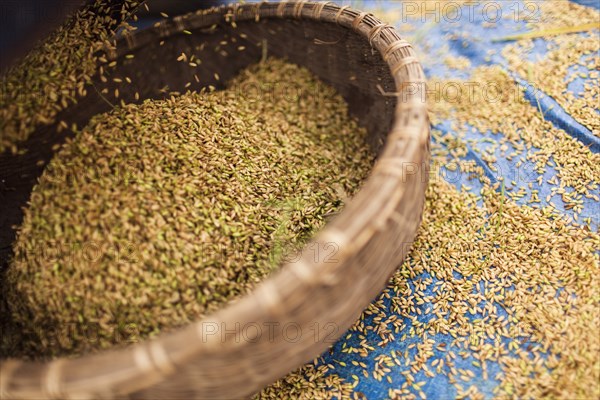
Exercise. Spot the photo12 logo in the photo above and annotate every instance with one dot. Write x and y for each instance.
(272, 331)
(468, 12)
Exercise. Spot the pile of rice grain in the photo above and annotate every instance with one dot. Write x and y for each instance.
(156, 214)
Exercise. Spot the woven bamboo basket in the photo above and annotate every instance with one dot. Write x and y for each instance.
(297, 313)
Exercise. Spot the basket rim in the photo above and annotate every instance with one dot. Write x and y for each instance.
(148, 362)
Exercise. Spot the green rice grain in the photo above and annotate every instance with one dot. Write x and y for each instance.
(159, 213)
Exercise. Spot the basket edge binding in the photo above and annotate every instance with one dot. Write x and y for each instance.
(398, 179)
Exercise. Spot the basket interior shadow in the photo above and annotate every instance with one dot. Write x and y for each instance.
(350, 50)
